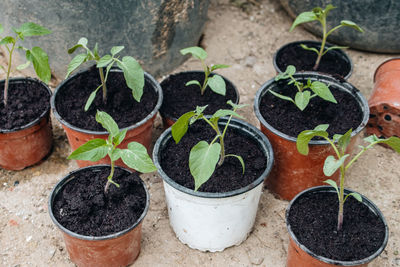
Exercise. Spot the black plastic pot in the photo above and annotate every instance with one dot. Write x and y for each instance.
(298, 254)
(169, 119)
(338, 54)
(118, 249)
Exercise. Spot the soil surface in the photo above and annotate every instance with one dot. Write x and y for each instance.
(179, 98)
(245, 35)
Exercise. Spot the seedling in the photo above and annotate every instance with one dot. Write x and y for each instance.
(36, 55)
(332, 164)
(320, 15)
(135, 156)
(204, 157)
(216, 82)
(133, 72)
(303, 96)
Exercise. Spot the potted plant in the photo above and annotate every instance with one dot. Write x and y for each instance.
(316, 56)
(184, 91)
(24, 103)
(130, 95)
(281, 120)
(101, 218)
(330, 226)
(213, 168)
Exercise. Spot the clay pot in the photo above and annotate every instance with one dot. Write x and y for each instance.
(140, 132)
(114, 250)
(384, 102)
(293, 172)
(169, 119)
(300, 256)
(30, 143)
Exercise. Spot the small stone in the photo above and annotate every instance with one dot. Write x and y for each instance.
(250, 61)
(396, 252)
(29, 238)
(257, 260)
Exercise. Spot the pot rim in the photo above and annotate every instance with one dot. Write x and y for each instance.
(40, 117)
(344, 86)
(339, 52)
(383, 63)
(249, 130)
(166, 115)
(365, 201)
(60, 184)
(148, 78)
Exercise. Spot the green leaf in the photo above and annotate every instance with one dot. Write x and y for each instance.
(40, 62)
(302, 99)
(357, 196)
(333, 184)
(91, 98)
(134, 76)
(351, 24)
(219, 66)
(193, 82)
(290, 70)
(96, 51)
(203, 159)
(7, 40)
(303, 18)
(322, 90)
(81, 43)
(93, 150)
(75, 63)
(334, 47)
(120, 137)
(104, 61)
(23, 66)
(196, 52)
(217, 84)
(240, 160)
(332, 164)
(371, 139)
(236, 106)
(344, 141)
(328, 8)
(321, 127)
(336, 137)
(281, 96)
(305, 137)
(107, 122)
(116, 49)
(32, 29)
(393, 142)
(225, 112)
(305, 47)
(180, 127)
(115, 154)
(136, 157)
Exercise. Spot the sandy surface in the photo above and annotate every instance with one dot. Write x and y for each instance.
(246, 41)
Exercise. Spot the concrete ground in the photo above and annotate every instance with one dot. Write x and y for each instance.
(246, 40)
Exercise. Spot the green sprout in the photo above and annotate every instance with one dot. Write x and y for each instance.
(332, 164)
(216, 82)
(303, 97)
(36, 55)
(133, 72)
(320, 15)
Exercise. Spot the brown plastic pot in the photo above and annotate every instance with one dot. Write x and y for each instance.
(293, 172)
(300, 256)
(30, 143)
(384, 102)
(140, 132)
(118, 249)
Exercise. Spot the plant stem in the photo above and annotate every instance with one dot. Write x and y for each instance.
(321, 50)
(206, 73)
(109, 178)
(103, 83)
(341, 199)
(8, 74)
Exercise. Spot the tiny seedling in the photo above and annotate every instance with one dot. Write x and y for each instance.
(320, 15)
(303, 96)
(216, 82)
(133, 72)
(135, 155)
(36, 55)
(332, 164)
(204, 157)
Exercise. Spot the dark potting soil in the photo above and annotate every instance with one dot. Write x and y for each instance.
(82, 206)
(121, 105)
(27, 100)
(179, 98)
(304, 60)
(286, 117)
(227, 177)
(313, 220)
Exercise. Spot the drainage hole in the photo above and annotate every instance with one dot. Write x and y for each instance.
(380, 128)
(388, 118)
(370, 125)
(385, 108)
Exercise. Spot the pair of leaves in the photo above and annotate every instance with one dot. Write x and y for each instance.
(216, 83)
(353, 194)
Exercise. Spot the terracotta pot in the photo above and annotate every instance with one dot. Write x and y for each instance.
(169, 119)
(118, 249)
(384, 102)
(300, 256)
(293, 172)
(140, 132)
(28, 144)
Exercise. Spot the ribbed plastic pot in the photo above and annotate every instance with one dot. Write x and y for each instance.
(213, 221)
(140, 132)
(384, 102)
(338, 53)
(169, 119)
(28, 144)
(293, 172)
(301, 256)
(118, 249)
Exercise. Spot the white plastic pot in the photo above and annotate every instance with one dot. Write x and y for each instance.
(214, 221)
